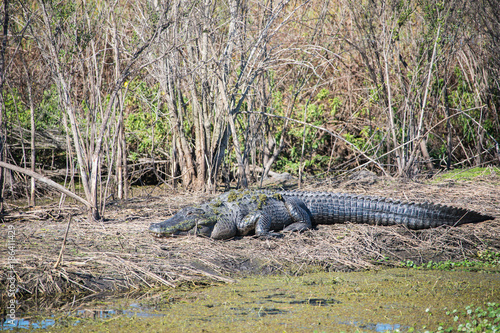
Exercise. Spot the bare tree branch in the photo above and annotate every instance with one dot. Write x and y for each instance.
(45, 180)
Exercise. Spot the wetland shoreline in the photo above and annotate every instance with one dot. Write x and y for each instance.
(117, 255)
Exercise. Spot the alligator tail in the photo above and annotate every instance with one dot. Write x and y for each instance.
(330, 208)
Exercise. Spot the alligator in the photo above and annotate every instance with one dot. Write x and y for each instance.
(262, 213)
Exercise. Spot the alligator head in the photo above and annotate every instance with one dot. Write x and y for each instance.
(189, 220)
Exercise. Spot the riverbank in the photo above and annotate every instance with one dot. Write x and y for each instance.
(118, 255)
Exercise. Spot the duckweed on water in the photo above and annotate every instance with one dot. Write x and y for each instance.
(385, 300)
(473, 320)
(487, 261)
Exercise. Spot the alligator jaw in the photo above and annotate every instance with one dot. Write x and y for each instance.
(171, 228)
(186, 221)
(178, 224)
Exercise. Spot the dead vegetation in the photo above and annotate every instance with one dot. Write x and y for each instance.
(119, 255)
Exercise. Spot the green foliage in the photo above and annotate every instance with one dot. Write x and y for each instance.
(277, 102)
(139, 125)
(489, 257)
(473, 319)
(323, 94)
(320, 111)
(64, 11)
(15, 110)
(466, 174)
(359, 142)
(367, 138)
(145, 119)
(47, 113)
(464, 97)
(335, 104)
(485, 259)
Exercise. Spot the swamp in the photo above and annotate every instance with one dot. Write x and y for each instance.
(115, 114)
(114, 275)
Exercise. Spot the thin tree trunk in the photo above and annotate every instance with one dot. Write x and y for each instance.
(123, 147)
(185, 157)
(120, 153)
(119, 160)
(33, 131)
(390, 112)
(3, 50)
(420, 129)
(448, 128)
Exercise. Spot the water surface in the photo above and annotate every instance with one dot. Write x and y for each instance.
(369, 301)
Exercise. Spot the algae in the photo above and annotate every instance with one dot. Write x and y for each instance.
(278, 196)
(390, 299)
(262, 201)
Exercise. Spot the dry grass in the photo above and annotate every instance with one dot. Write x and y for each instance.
(118, 254)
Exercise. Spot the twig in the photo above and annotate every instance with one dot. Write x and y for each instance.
(63, 244)
(78, 284)
(145, 272)
(213, 276)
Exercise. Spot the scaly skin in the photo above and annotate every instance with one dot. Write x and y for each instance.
(240, 213)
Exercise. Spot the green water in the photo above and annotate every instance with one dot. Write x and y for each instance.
(369, 301)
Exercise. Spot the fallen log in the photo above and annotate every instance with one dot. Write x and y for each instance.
(45, 180)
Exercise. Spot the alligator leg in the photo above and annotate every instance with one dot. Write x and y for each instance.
(224, 229)
(260, 222)
(299, 213)
(293, 215)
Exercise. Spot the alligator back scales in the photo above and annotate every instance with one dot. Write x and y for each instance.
(239, 213)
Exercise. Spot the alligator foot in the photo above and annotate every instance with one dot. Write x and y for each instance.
(270, 235)
(298, 226)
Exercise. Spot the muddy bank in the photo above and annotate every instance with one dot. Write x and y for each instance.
(118, 254)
